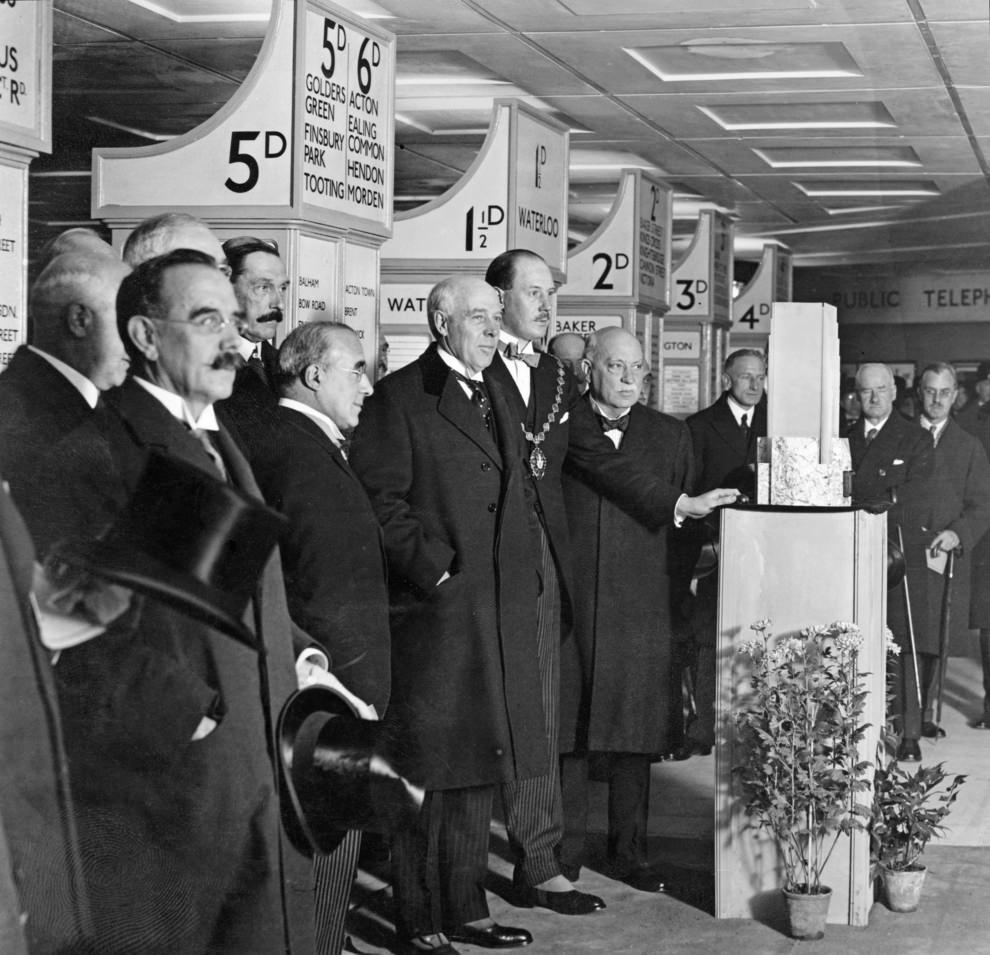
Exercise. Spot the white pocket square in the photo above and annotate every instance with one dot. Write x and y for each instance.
(567, 414)
(898, 461)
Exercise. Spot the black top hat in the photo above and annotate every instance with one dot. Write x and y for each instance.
(188, 539)
(333, 777)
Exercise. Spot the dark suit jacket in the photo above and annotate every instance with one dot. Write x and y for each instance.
(35, 799)
(181, 838)
(615, 674)
(575, 441)
(250, 411)
(723, 455)
(465, 707)
(333, 557)
(900, 463)
(38, 407)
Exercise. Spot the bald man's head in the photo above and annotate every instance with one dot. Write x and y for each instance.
(73, 315)
(614, 361)
(569, 348)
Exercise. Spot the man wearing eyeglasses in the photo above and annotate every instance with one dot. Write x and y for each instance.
(615, 684)
(960, 519)
(260, 284)
(893, 461)
(165, 722)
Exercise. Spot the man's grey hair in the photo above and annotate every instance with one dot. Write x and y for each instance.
(442, 298)
(743, 353)
(874, 364)
(940, 368)
(151, 237)
(306, 345)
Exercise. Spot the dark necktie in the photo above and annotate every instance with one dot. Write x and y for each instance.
(513, 353)
(479, 397)
(257, 365)
(744, 425)
(871, 434)
(613, 424)
(203, 437)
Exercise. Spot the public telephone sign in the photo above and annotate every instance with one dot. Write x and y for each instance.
(345, 129)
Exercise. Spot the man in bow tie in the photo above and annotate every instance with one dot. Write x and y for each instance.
(559, 428)
(615, 671)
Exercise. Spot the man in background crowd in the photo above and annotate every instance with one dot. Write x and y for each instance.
(569, 348)
(724, 441)
(960, 501)
(893, 464)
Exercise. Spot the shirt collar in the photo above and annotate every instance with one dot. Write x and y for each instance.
(599, 410)
(457, 365)
(86, 388)
(930, 425)
(868, 426)
(247, 349)
(327, 424)
(739, 410)
(176, 406)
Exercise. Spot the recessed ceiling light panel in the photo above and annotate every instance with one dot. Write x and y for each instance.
(800, 115)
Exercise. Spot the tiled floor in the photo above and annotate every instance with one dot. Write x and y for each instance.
(954, 916)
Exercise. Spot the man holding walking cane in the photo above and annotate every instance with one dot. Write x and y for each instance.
(894, 460)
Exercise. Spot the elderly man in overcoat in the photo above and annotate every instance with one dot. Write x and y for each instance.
(615, 672)
(438, 454)
(893, 462)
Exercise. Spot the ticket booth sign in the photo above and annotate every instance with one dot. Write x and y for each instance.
(702, 284)
(770, 283)
(309, 134)
(585, 324)
(514, 195)
(25, 74)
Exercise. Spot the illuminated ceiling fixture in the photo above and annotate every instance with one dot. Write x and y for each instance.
(800, 115)
(729, 59)
(821, 190)
(448, 79)
(239, 11)
(839, 157)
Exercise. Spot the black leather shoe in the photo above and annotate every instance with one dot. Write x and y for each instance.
(691, 748)
(932, 731)
(909, 751)
(494, 936)
(563, 903)
(983, 723)
(643, 879)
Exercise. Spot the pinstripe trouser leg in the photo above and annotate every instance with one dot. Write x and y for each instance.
(334, 875)
(439, 865)
(533, 810)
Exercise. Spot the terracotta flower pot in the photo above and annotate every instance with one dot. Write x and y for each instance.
(807, 912)
(903, 887)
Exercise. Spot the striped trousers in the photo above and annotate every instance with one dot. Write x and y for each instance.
(533, 808)
(334, 875)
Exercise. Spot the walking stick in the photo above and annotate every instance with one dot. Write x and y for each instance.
(910, 621)
(943, 634)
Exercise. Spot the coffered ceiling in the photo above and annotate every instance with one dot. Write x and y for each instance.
(853, 131)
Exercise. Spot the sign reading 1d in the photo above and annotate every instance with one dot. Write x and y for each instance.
(476, 227)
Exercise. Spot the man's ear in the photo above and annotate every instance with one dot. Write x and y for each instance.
(144, 335)
(726, 382)
(440, 323)
(312, 376)
(78, 320)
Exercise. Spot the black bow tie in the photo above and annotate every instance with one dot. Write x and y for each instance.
(514, 353)
(613, 424)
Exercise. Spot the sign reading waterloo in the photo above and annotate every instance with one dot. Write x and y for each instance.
(346, 119)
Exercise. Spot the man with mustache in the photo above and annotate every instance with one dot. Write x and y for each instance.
(260, 284)
(165, 727)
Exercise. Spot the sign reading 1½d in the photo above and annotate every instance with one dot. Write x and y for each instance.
(346, 134)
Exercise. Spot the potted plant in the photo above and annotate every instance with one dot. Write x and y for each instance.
(908, 809)
(799, 726)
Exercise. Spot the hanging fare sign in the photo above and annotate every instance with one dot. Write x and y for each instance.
(346, 118)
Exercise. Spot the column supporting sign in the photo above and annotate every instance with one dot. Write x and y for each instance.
(752, 308)
(305, 150)
(25, 131)
(514, 195)
(701, 296)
